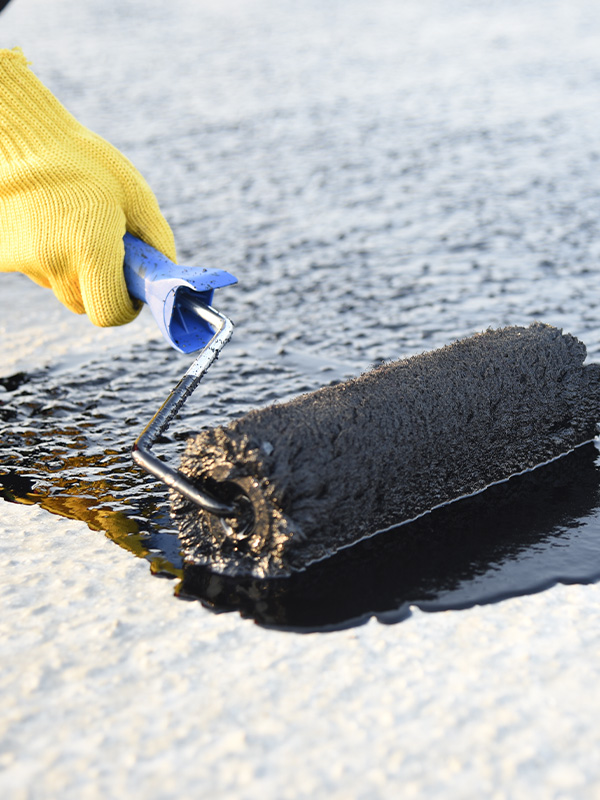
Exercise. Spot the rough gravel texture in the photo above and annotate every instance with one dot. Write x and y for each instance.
(384, 178)
(111, 688)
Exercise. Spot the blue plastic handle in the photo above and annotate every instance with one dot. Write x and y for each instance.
(156, 280)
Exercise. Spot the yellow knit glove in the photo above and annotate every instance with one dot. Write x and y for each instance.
(66, 199)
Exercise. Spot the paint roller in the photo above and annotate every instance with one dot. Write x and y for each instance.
(288, 485)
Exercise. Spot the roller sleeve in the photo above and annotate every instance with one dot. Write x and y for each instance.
(329, 468)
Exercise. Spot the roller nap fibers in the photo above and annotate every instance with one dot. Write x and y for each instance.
(331, 467)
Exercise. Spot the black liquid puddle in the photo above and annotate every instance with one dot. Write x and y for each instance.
(66, 447)
(65, 442)
(516, 538)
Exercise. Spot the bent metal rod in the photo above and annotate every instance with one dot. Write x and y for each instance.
(223, 328)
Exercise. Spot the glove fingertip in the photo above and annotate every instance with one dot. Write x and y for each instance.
(146, 221)
(103, 289)
(156, 233)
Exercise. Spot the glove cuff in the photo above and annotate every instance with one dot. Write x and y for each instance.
(30, 115)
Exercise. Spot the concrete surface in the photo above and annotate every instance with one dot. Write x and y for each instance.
(112, 688)
(385, 178)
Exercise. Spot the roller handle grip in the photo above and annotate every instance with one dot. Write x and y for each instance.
(167, 288)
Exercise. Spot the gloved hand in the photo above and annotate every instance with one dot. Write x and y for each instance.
(66, 199)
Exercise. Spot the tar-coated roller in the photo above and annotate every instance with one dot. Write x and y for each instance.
(337, 465)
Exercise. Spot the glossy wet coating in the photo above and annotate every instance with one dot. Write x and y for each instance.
(374, 197)
(521, 536)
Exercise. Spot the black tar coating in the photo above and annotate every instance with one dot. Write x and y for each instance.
(339, 464)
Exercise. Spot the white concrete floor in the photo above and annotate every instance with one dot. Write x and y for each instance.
(110, 687)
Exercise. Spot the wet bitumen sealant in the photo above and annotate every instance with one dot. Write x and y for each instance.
(382, 182)
(383, 179)
(66, 443)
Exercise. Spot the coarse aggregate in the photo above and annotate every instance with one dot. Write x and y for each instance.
(111, 688)
(383, 179)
